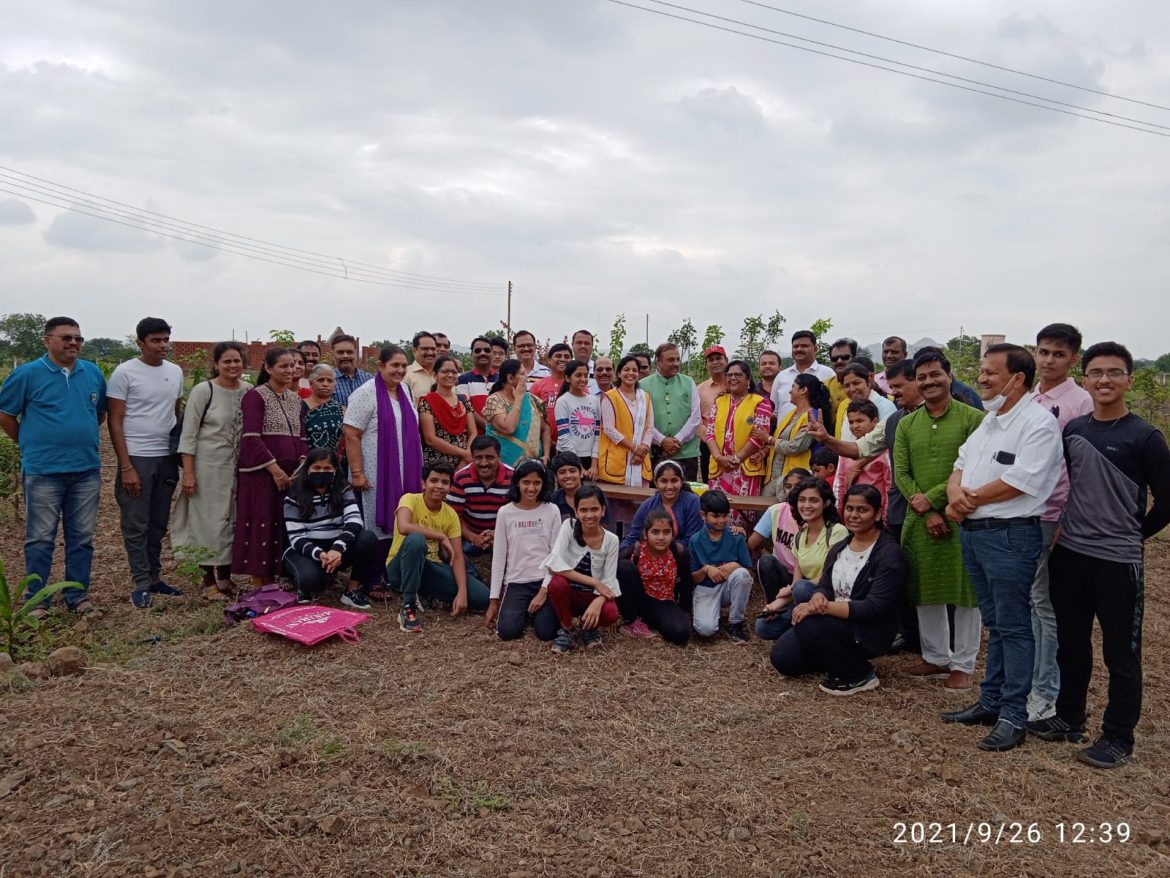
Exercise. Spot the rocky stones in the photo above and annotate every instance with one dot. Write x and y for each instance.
(66, 660)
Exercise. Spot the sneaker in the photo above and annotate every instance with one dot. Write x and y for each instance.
(637, 628)
(355, 599)
(591, 637)
(1056, 729)
(165, 590)
(737, 632)
(1106, 753)
(1040, 708)
(836, 686)
(141, 598)
(563, 642)
(408, 619)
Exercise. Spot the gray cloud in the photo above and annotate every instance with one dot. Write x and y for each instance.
(603, 159)
(14, 212)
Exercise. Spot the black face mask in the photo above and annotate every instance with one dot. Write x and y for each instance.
(321, 480)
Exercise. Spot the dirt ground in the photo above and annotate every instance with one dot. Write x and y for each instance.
(189, 750)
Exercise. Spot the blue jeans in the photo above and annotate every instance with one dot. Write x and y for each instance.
(1002, 564)
(73, 499)
(772, 629)
(1046, 674)
(412, 573)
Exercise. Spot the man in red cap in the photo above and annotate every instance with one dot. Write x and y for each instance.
(716, 357)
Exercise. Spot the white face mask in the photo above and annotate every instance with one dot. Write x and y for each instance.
(998, 401)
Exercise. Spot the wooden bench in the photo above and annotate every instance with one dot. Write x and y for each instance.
(623, 502)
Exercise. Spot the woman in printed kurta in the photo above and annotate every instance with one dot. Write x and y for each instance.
(324, 415)
(271, 448)
(739, 428)
(204, 516)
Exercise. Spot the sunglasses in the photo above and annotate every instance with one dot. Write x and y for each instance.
(80, 339)
(482, 351)
(841, 359)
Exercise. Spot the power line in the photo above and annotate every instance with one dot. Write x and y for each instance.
(921, 69)
(337, 272)
(890, 69)
(195, 233)
(957, 57)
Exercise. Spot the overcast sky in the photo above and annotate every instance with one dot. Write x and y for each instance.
(604, 159)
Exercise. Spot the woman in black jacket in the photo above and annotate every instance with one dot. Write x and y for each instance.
(853, 614)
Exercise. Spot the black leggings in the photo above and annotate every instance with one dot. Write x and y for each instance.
(773, 576)
(668, 618)
(821, 643)
(514, 613)
(362, 556)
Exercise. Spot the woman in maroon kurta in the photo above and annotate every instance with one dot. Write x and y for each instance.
(271, 448)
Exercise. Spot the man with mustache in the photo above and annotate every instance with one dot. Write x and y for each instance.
(349, 376)
(926, 446)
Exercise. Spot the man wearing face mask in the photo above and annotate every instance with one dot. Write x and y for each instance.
(1004, 475)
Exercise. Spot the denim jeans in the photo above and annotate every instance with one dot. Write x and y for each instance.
(413, 574)
(771, 629)
(1002, 564)
(73, 499)
(1046, 675)
(146, 516)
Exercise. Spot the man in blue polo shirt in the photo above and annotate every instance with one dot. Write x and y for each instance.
(52, 408)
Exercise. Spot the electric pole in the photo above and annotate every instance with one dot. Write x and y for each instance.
(509, 320)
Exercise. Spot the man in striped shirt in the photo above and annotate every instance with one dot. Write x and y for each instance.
(478, 491)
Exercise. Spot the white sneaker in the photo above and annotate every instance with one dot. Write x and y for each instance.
(1040, 708)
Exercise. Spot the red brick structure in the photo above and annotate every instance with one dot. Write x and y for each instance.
(191, 353)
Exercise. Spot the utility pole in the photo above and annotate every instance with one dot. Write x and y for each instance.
(647, 330)
(509, 321)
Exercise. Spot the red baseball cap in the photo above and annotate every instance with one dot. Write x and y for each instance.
(714, 349)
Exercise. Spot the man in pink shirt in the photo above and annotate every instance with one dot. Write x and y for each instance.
(1057, 347)
(894, 350)
(546, 389)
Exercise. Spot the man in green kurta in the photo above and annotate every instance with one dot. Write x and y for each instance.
(925, 449)
(676, 412)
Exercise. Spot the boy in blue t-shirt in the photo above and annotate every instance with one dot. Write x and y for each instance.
(721, 570)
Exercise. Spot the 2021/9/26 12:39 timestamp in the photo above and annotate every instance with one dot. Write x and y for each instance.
(1010, 832)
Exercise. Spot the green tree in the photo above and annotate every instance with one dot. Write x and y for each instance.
(24, 334)
(963, 352)
(108, 349)
(640, 348)
(820, 328)
(1162, 364)
(686, 338)
(617, 337)
(758, 335)
(283, 337)
(1149, 398)
(712, 335)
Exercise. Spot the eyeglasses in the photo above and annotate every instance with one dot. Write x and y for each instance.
(80, 339)
(845, 358)
(482, 351)
(1097, 374)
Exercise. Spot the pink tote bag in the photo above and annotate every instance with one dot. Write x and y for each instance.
(310, 624)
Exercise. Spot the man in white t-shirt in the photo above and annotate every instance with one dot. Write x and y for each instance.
(145, 396)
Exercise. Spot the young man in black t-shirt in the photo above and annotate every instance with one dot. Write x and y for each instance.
(1096, 568)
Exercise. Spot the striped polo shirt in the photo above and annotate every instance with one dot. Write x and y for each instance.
(477, 503)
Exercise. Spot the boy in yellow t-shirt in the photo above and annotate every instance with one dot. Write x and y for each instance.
(427, 553)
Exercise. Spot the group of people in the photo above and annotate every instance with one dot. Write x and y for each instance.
(911, 510)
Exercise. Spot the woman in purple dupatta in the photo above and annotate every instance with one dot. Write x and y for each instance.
(383, 443)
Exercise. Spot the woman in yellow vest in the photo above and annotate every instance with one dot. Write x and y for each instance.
(738, 435)
(855, 382)
(627, 426)
(791, 444)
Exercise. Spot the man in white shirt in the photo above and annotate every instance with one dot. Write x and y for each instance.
(804, 359)
(145, 397)
(1057, 348)
(420, 377)
(1005, 473)
(524, 343)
